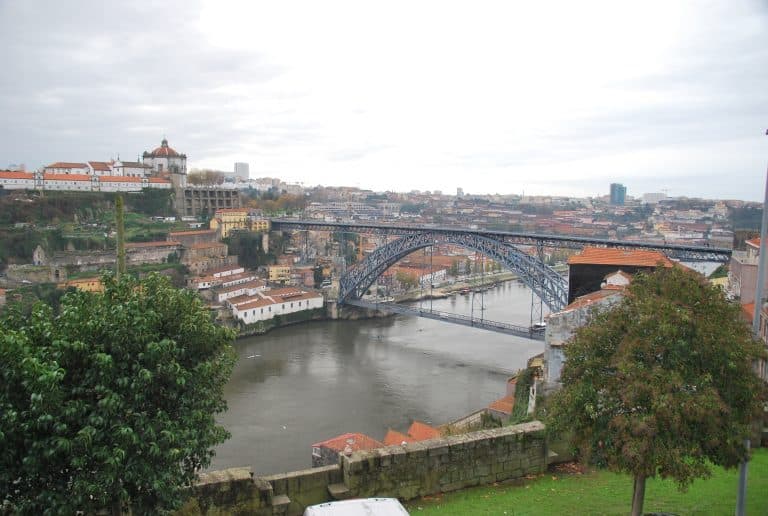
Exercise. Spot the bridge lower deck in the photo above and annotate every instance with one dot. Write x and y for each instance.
(485, 324)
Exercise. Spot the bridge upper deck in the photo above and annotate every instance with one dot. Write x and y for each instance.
(680, 252)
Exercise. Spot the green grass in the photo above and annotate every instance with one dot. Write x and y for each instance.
(602, 492)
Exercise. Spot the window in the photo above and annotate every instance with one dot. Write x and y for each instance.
(283, 306)
(291, 305)
(262, 310)
(315, 451)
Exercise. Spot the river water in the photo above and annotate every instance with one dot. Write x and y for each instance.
(306, 383)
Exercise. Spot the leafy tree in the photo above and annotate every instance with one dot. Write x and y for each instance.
(407, 280)
(111, 403)
(662, 384)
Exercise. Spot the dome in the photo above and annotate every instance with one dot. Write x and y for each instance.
(164, 151)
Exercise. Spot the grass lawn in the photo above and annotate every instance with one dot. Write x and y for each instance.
(602, 492)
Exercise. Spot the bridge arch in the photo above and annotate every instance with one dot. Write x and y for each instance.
(550, 286)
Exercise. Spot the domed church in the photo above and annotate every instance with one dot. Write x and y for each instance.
(165, 161)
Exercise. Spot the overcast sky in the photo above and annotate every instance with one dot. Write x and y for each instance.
(545, 97)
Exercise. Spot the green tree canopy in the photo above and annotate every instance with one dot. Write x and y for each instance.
(662, 384)
(110, 403)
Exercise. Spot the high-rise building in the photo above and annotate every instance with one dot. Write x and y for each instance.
(241, 171)
(459, 192)
(618, 194)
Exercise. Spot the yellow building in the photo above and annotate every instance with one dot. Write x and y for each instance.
(227, 219)
(86, 284)
(279, 273)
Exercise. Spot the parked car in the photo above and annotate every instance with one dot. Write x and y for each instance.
(361, 507)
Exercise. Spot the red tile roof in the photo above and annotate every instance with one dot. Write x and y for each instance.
(422, 431)
(349, 443)
(503, 405)
(164, 150)
(754, 242)
(592, 297)
(395, 437)
(158, 180)
(100, 165)
(65, 164)
(633, 257)
(12, 174)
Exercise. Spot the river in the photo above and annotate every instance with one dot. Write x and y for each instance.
(306, 383)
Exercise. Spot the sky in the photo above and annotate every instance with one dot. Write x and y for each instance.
(535, 98)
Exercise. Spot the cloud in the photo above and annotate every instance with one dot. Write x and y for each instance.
(550, 98)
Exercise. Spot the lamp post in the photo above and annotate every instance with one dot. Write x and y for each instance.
(741, 496)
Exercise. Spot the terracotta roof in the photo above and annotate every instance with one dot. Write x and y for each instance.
(349, 443)
(422, 431)
(100, 165)
(754, 242)
(503, 405)
(10, 174)
(630, 257)
(588, 299)
(161, 243)
(65, 164)
(67, 177)
(119, 179)
(164, 151)
(394, 437)
(158, 180)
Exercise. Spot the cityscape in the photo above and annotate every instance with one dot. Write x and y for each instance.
(315, 259)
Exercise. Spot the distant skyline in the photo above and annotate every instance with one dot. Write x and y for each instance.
(541, 98)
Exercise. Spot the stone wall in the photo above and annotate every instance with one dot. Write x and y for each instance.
(441, 465)
(405, 472)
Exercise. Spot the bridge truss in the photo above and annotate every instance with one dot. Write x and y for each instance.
(549, 285)
(501, 246)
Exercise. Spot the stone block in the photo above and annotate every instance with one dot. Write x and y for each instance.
(438, 450)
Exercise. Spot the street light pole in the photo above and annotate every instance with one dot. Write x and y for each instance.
(741, 497)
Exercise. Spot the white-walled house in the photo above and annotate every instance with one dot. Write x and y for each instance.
(266, 305)
(13, 180)
(66, 168)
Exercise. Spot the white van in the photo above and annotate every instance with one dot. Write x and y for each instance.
(362, 507)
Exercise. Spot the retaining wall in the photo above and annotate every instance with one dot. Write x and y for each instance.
(403, 471)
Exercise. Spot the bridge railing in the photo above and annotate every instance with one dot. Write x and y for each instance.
(503, 327)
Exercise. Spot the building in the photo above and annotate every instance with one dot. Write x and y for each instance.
(562, 325)
(265, 305)
(85, 284)
(279, 273)
(326, 453)
(165, 161)
(742, 272)
(241, 171)
(618, 194)
(587, 270)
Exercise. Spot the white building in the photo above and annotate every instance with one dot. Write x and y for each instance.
(165, 161)
(66, 168)
(131, 169)
(12, 180)
(241, 171)
(266, 305)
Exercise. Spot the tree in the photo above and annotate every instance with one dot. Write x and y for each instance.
(662, 384)
(111, 403)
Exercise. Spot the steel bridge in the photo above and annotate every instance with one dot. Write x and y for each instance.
(501, 246)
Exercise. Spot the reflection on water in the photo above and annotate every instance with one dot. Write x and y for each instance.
(303, 384)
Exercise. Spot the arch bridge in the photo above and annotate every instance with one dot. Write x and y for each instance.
(501, 246)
